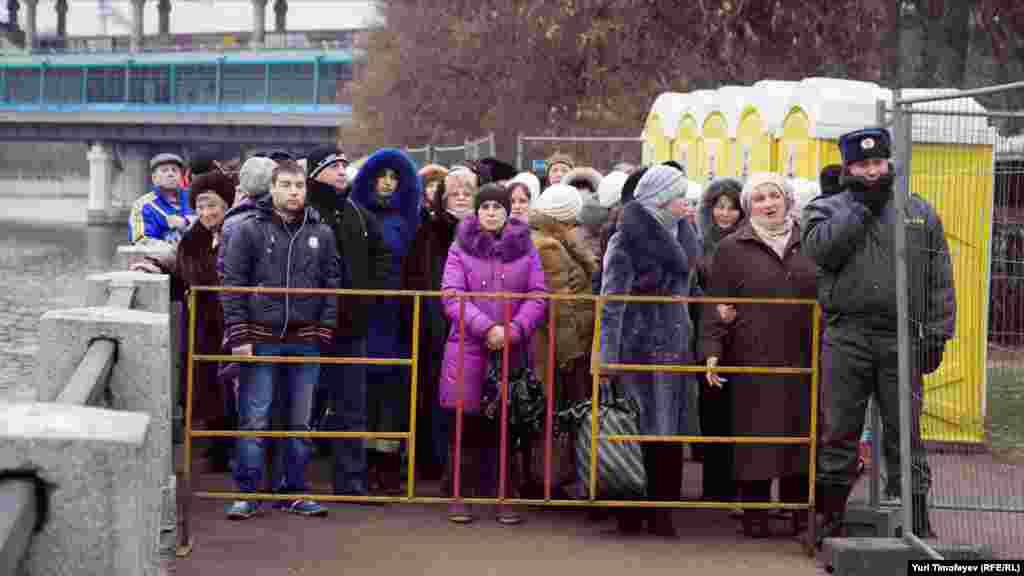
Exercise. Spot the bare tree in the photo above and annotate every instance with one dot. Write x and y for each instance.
(443, 70)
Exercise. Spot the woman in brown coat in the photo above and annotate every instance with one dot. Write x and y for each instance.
(569, 266)
(422, 270)
(763, 260)
(196, 265)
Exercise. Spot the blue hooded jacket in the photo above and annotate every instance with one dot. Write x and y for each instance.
(399, 222)
(405, 203)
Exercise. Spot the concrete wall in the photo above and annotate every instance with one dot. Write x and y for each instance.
(49, 200)
(49, 182)
(44, 182)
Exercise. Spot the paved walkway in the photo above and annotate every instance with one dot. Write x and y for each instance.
(417, 539)
(413, 539)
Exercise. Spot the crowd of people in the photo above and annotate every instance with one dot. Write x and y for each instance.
(482, 226)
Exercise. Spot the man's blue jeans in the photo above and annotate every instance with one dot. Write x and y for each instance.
(255, 402)
(347, 390)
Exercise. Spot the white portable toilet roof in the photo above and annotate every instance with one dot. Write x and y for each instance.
(668, 108)
(701, 103)
(732, 101)
(836, 106)
(946, 128)
(772, 100)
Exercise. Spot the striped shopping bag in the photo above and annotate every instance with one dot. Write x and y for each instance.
(620, 465)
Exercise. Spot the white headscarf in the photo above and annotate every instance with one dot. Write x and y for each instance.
(775, 234)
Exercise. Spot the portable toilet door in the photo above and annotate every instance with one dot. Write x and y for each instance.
(685, 149)
(700, 104)
(716, 147)
(655, 143)
(660, 127)
(795, 151)
(753, 144)
(733, 101)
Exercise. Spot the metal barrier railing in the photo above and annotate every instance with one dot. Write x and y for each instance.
(410, 435)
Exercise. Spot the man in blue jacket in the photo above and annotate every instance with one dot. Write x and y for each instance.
(162, 214)
(849, 235)
(284, 246)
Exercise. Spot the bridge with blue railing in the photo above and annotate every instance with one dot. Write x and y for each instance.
(288, 96)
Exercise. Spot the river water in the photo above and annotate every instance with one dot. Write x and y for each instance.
(43, 267)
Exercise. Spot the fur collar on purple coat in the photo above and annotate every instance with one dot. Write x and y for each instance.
(513, 244)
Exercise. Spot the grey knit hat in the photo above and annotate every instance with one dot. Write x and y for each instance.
(660, 185)
(254, 178)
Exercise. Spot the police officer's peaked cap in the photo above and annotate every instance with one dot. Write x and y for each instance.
(864, 144)
(166, 158)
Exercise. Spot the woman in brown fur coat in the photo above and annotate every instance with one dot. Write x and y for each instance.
(569, 264)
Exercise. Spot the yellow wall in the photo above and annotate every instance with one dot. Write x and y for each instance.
(752, 139)
(716, 139)
(957, 181)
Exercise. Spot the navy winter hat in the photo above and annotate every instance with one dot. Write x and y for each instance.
(492, 191)
(829, 179)
(323, 157)
(493, 170)
(864, 144)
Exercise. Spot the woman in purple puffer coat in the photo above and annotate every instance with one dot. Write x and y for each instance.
(491, 253)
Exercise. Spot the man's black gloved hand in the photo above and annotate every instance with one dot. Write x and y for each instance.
(873, 196)
(872, 199)
(929, 354)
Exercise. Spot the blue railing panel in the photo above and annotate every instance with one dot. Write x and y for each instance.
(341, 109)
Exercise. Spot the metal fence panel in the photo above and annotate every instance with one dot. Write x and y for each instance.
(600, 152)
(972, 405)
(452, 155)
(499, 445)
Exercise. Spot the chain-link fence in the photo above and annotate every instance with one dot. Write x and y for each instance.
(600, 152)
(451, 155)
(959, 284)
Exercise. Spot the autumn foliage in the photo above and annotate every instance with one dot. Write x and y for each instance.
(439, 71)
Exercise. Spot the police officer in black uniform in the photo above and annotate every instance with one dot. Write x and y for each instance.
(849, 235)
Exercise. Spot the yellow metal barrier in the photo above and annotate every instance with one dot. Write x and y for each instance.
(186, 540)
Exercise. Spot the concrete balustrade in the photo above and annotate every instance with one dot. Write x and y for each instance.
(100, 485)
(109, 470)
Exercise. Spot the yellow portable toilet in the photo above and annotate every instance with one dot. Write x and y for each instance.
(714, 136)
(952, 163)
(821, 110)
(800, 124)
(769, 106)
(952, 169)
(734, 101)
(699, 104)
(660, 128)
(688, 144)
(684, 142)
